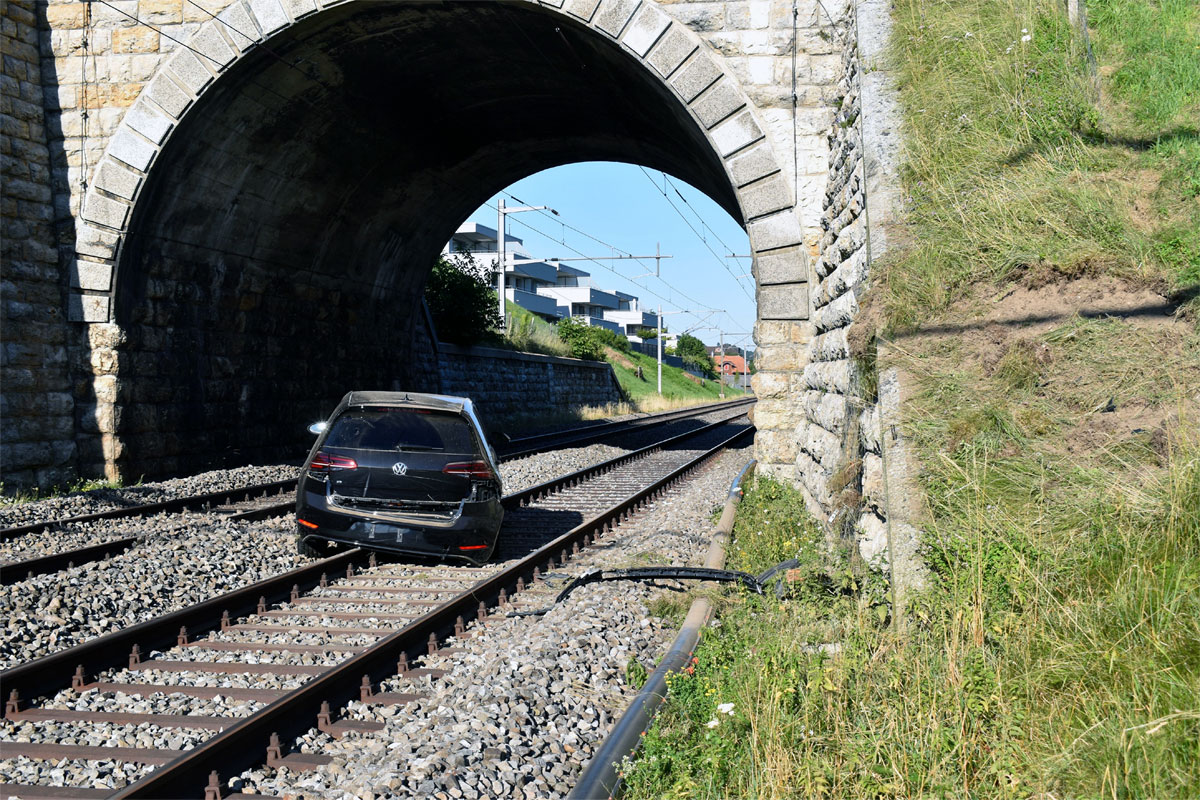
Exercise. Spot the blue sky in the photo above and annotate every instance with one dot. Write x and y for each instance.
(620, 206)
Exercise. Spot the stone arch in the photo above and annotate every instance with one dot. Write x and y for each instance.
(166, 161)
(667, 48)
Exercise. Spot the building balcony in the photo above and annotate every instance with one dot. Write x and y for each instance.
(535, 303)
(600, 322)
(632, 321)
(580, 295)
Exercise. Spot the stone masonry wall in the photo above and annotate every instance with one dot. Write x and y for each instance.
(840, 463)
(37, 410)
(503, 383)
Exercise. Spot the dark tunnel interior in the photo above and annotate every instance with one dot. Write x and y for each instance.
(277, 255)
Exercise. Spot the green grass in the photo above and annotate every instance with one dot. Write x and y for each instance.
(676, 386)
(1057, 653)
(530, 333)
(1014, 164)
(1056, 650)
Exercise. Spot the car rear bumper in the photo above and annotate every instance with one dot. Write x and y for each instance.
(472, 536)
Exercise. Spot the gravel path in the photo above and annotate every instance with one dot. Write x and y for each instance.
(526, 701)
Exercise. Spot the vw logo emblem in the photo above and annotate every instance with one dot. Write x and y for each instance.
(399, 468)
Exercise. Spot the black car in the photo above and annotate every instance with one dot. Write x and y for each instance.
(401, 472)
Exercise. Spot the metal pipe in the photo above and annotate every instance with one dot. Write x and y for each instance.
(603, 776)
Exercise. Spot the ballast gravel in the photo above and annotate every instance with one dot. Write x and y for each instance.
(165, 572)
(517, 475)
(13, 514)
(536, 695)
(526, 700)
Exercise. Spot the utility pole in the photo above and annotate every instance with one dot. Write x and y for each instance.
(722, 375)
(501, 213)
(500, 263)
(660, 338)
(661, 329)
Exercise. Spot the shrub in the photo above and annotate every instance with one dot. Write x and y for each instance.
(583, 342)
(461, 300)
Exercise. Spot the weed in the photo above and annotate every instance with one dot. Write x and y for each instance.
(80, 486)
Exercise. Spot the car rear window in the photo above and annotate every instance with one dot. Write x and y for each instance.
(401, 429)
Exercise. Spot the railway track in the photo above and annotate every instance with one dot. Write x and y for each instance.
(284, 655)
(251, 503)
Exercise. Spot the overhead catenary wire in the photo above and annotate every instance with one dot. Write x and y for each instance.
(613, 247)
(667, 181)
(718, 257)
(701, 315)
(564, 224)
(563, 242)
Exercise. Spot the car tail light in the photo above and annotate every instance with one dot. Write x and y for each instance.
(472, 547)
(308, 524)
(325, 462)
(473, 469)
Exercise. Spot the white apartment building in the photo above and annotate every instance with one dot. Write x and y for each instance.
(549, 289)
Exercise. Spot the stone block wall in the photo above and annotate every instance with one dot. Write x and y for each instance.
(504, 383)
(37, 422)
(855, 470)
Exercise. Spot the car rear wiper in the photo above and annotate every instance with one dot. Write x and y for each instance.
(415, 447)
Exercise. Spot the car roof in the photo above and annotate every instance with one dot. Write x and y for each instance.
(440, 402)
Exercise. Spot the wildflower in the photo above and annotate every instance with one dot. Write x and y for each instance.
(712, 723)
(726, 708)
(1024, 30)
(1026, 38)
(968, 35)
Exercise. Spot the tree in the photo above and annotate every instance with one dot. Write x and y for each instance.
(648, 333)
(695, 355)
(461, 300)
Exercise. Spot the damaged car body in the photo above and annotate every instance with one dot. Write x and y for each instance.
(401, 472)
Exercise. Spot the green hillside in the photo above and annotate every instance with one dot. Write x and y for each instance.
(530, 333)
(677, 384)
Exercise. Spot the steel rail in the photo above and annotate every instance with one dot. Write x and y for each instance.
(244, 745)
(555, 439)
(18, 571)
(603, 775)
(65, 668)
(55, 671)
(525, 496)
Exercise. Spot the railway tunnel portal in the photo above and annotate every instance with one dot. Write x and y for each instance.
(248, 196)
(278, 251)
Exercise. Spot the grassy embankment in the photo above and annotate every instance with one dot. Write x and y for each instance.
(1056, 653)
(532, 334)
